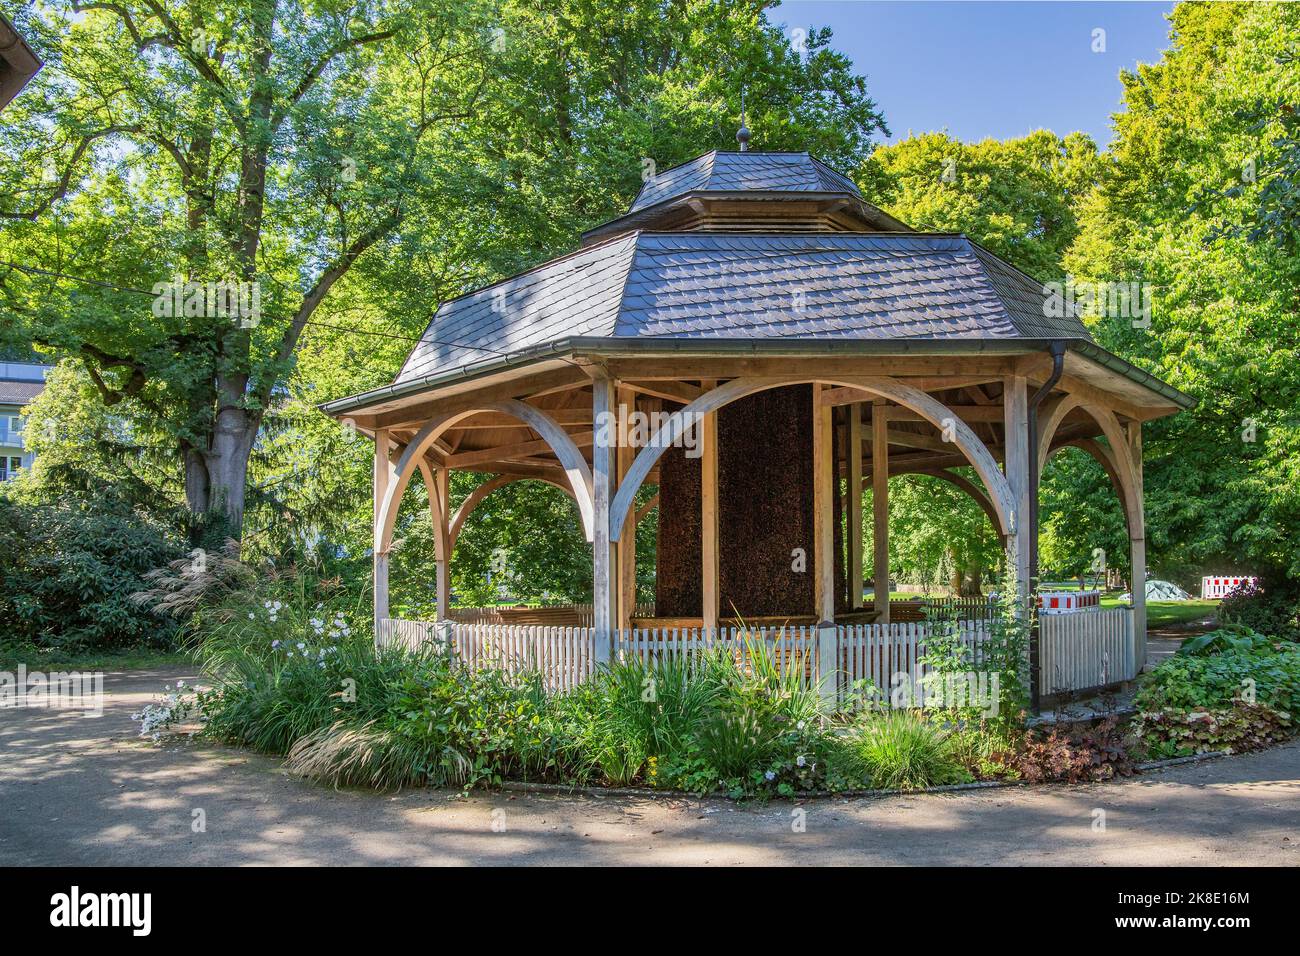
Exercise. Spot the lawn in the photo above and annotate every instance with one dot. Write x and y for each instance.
(135, 658)
(1162, 614)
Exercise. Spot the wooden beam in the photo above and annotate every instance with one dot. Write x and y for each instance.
(543, 383)
(967, 413)
(672, 391)
(1015, 405)
(383, 476)
(880, 510)
(626, 548)
(823, 557)
(955, 370)
(853, 513)
(522, 449)
(603, 557)
(490, 420)
(847, 395)
(709, 550)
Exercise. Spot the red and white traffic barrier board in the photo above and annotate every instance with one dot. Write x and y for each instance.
(1066, 602)
(1218, 586)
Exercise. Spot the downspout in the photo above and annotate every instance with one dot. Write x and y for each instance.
(1057, 350)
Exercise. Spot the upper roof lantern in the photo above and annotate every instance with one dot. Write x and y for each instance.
(749, 191)
(746, 171)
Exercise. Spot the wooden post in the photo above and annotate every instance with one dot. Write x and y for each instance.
(823, 562)
(1015, 419)
(853, 513)
(440, 498)
(1138, 547)
(880, 507)
(383, 473)
(603, 557)
(626, 563)
(709, 557)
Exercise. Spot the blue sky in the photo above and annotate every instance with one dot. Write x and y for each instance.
(1000, 69)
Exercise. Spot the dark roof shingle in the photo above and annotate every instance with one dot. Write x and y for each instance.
(736, 172)
(725, 285)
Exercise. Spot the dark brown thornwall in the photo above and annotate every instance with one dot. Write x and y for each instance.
(765, 512)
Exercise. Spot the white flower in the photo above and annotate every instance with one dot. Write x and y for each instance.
(800, 760)
(769, 776)
(252, 616)
(301, 646)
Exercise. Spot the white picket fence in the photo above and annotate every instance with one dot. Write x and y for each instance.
(1086, 649)
(564, 656)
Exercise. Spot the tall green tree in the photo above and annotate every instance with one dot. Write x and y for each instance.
(1191, 204)
(1017, 197)
(266, 142)
(358, 161)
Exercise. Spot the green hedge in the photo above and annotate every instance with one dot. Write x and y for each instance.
(68, 569)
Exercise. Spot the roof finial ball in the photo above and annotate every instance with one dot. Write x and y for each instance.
(742, 134)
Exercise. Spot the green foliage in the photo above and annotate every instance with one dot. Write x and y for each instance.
(1220, 480)
(1239, 727)
(1231, 639)
(1214, 681)
(903, 750)
(1018, 197)
(938, 535)
(1272, 606)
(68, 569)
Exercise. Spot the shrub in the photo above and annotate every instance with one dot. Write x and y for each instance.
(1272, 606)
(1230, 639)
(1077, 754)
(68, 569)
(1212, 682)
(903, 750)
(1241, 727)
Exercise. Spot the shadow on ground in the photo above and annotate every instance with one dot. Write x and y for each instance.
(86, 790)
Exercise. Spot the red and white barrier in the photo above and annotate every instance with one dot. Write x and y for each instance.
(1067, 602)
(1216, 586)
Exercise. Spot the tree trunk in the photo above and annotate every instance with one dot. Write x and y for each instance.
(227, 461)
(197, 486)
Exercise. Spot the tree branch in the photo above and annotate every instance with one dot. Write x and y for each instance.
(316, 69)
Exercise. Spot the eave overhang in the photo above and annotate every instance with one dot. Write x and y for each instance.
(556, 354)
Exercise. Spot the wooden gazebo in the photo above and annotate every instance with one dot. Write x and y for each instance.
(782, 333)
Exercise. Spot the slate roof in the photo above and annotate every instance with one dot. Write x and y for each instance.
(747, 172)
(19, 393)
(738, 285)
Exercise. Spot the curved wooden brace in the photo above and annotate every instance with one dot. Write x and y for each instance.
(964, 484)
(575, 466)
(1105, 458)
(908, 396)
(1048, 424)
(441, 541)
(475, 497)
(1122, 462)
(646, 508)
